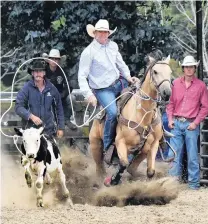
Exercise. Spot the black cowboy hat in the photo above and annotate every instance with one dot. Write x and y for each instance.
(37, 65)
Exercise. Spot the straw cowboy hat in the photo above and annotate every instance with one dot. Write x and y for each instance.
(54, 53)
(189, 61)
(101, 25)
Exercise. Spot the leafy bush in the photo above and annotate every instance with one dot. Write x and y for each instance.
(36, 27)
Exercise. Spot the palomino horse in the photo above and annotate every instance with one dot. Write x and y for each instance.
(140, 126)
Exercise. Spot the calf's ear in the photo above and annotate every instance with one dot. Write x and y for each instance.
(19, 131)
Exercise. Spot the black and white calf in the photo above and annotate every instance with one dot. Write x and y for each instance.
(42, 157)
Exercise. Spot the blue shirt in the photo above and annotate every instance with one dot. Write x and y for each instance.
(100, 65)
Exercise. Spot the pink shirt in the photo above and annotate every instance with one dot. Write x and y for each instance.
(191, 102)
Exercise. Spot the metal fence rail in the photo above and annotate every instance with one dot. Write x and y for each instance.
(203, 148)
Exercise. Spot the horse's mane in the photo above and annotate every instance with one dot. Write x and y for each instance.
(157, 55)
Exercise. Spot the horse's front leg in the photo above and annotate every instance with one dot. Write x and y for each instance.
(122, 151)
(151, 156)
(26, 164)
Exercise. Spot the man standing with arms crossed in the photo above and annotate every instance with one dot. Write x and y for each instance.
(187, 108)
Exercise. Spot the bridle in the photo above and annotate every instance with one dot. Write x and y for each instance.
(152, 75)
(156, 85)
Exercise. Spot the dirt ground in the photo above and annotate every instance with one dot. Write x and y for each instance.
(160, 200)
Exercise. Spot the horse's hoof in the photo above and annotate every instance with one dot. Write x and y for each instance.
(107, 181)
(150, 173)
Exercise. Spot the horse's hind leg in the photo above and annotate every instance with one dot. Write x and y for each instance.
(97, 154)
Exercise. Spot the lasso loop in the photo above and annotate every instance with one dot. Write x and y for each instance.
(85, 122)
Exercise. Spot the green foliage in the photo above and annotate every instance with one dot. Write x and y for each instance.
(176, 68)
(58, 23)
(38, 26)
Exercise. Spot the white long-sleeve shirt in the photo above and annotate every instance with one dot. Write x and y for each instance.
(100, 65)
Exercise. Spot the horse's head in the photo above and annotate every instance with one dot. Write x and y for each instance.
(160, 76)
(31, 140)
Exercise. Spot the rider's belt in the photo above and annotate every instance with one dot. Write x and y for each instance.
(183, 119)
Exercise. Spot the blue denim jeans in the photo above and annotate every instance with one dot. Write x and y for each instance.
(105, 96)
(181, 136)
(165, 124)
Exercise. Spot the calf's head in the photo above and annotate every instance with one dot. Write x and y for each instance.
(31, 140)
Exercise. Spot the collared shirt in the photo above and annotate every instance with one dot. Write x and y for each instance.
(100, 65)
(191, 102)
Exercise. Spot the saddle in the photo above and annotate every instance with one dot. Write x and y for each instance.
(121, 102)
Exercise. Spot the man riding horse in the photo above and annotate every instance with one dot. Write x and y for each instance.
(140, 125)
(103, 75)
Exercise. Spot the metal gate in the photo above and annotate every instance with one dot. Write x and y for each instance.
(203, 148)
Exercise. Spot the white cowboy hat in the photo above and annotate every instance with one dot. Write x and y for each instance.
(189, 61)
(54, 53)
(101, 25)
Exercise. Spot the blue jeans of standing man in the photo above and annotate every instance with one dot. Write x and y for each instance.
(105, 96)
(190, 137)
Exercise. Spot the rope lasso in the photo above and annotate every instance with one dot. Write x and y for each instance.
(15, 137)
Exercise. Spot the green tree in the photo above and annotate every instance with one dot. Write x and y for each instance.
(31, 28)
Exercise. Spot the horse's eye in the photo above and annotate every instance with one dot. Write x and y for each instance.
(155, 72)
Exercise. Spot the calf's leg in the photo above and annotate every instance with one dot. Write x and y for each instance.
(62, 178)
(28, 176)
(48, 178)
(39, 183)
